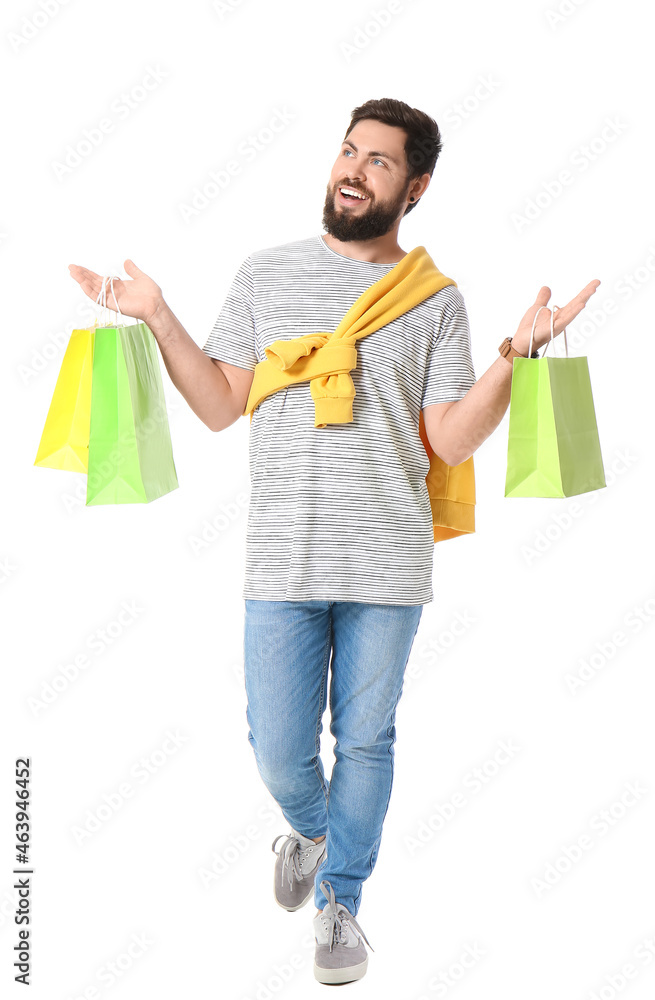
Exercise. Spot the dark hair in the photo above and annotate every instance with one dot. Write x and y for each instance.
(423, 143)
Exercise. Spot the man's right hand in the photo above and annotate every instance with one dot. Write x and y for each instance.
(140, 297)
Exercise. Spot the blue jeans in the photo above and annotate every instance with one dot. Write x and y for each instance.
(287, 647)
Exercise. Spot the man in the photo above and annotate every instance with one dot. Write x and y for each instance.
(339, 541)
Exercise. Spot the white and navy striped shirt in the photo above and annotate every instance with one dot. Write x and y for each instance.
(340, 512)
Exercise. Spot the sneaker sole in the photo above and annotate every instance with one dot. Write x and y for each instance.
(346, 975)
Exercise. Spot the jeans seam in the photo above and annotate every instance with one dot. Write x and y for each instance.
(321, 706)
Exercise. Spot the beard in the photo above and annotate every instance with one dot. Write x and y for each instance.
(366, 223)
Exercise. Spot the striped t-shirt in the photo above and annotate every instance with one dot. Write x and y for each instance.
(340, 512)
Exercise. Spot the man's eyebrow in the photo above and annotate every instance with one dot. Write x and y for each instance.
(372, 152)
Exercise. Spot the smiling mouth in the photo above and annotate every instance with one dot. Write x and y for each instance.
(345, 199)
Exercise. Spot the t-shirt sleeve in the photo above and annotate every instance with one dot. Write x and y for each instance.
(449, 374)
(232, 338)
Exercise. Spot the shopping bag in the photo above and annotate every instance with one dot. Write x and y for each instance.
(108, 417)
(130, 451)
(65, 438)
(553, 448)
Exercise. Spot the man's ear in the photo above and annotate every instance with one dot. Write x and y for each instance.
(422, 188)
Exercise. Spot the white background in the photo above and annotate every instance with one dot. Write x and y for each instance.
(519, 94)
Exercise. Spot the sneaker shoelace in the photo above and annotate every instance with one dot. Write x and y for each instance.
(293, 858)
(338, 918)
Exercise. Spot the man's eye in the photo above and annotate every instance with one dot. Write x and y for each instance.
(374, 161)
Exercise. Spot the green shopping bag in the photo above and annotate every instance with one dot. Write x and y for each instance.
(130, 451)
(553, 448)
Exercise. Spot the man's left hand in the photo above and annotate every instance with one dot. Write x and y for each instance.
(562, 318)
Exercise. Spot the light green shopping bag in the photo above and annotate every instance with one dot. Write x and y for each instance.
(130, 451)
(553, 448)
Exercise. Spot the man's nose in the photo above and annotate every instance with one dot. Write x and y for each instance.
(356, 172)
(355, 175)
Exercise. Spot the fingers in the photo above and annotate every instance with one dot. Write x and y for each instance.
(82, 274)
(567, 313)
(541, 300)
(89, 281)
(91, 284)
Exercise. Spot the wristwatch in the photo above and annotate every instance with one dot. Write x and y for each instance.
(508, 352)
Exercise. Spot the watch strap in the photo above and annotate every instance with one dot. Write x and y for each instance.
(507, 351)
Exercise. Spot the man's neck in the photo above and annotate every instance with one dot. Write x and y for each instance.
(384, 250)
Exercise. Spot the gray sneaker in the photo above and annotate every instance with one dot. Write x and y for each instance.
(295, 868)
(340, 953)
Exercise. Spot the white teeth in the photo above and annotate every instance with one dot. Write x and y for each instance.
(353, 192)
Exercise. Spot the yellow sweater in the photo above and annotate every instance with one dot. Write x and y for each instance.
(327, 359)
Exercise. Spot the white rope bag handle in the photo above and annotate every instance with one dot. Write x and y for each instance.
(101, 300)
(552, 331)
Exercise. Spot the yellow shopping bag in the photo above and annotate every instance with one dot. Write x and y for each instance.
(65, 438)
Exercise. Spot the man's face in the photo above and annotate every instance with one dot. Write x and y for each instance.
(381, 178)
